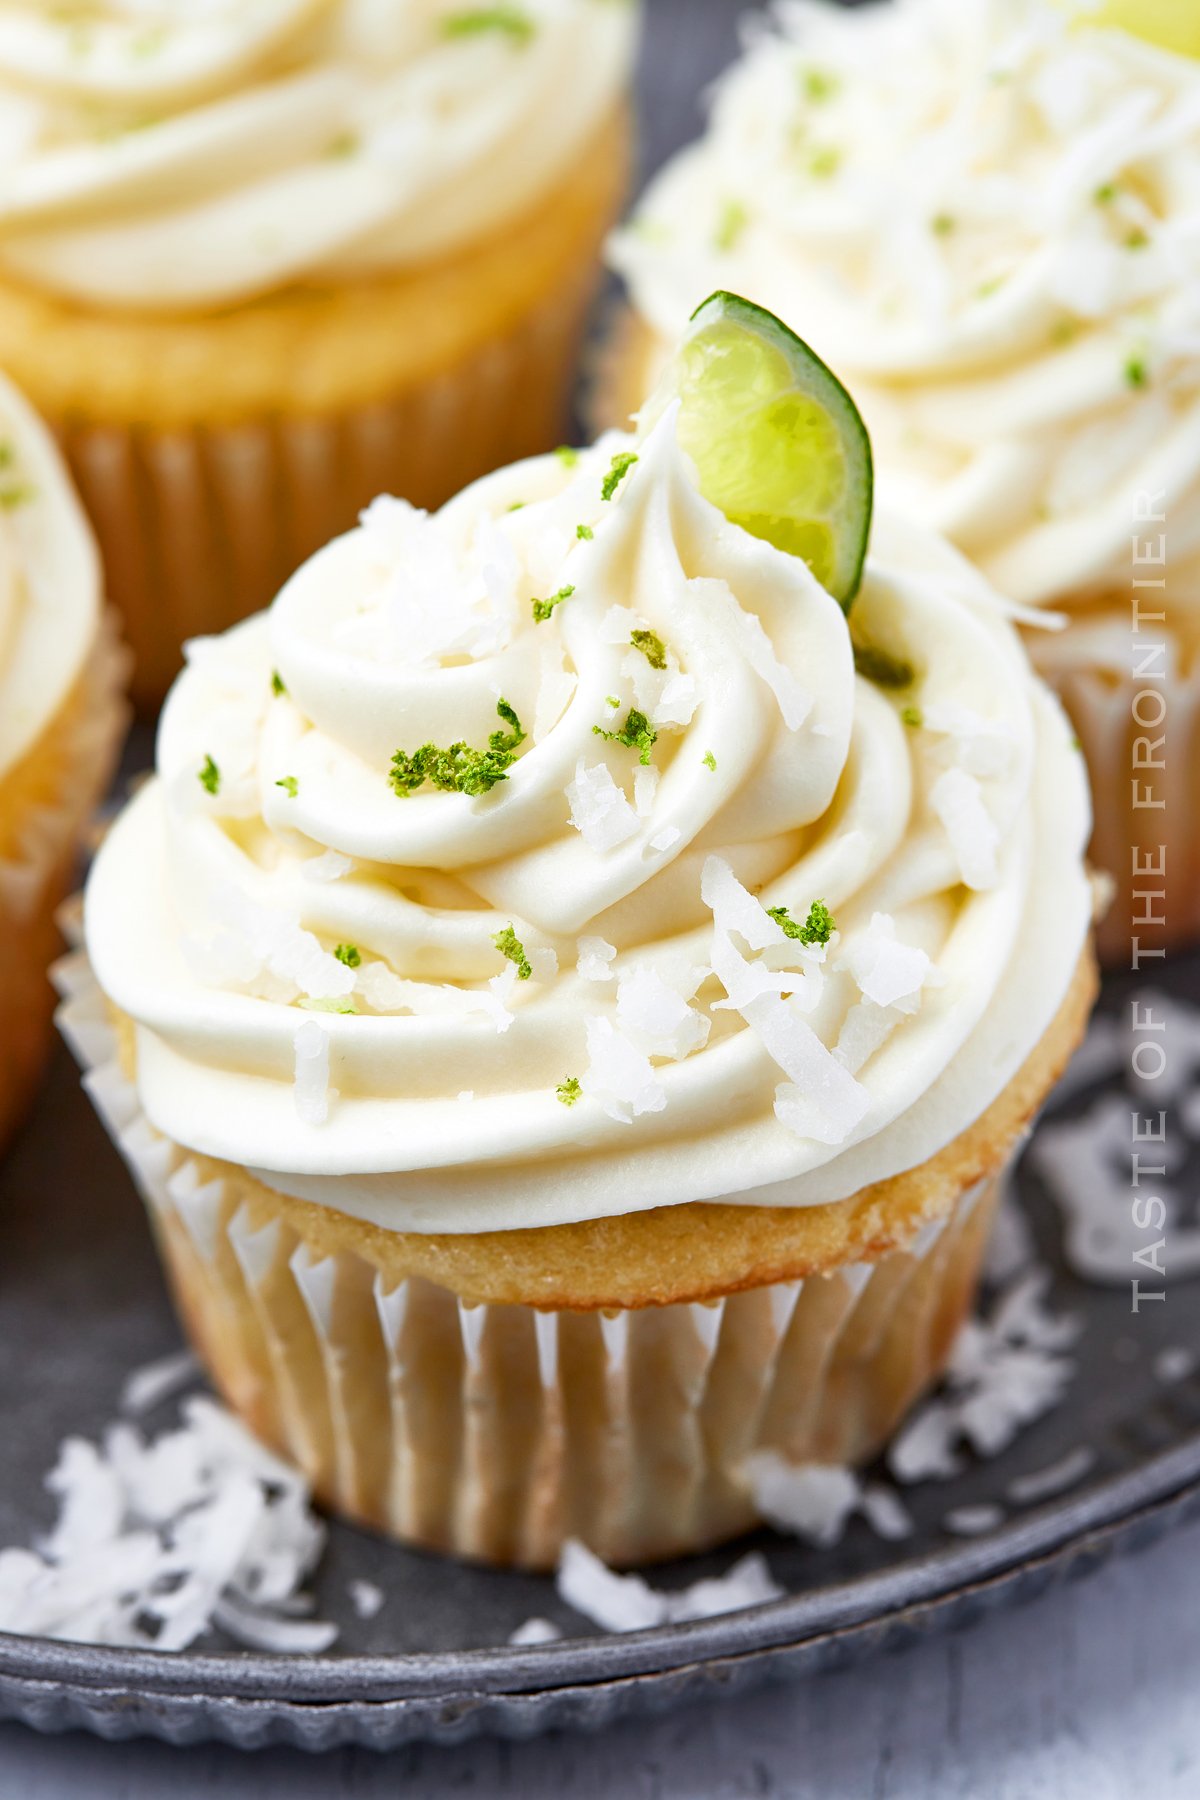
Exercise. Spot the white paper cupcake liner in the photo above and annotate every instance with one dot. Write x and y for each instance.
(497, 1431)
(69, 770)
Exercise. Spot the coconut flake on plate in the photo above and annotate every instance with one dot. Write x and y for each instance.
(535, 1631)
(158, 1540)
(365, 1597)
(311, 1088)
(628, 1602)
(619, 1075)
(973, 1521)
(600, 812)
(1004, 1371)
(957, 799)
(158, 1381)
(1054, 1478)
(814, 1501)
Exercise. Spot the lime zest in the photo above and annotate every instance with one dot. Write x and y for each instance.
(209, 776)
(544, 609)
(476, 20)
(620, 466)
(636, 733)
(290, 785)
(349, 954)
(459, 769)
(651, 647)
(568, 1091)
(509, 945)
(817, 928)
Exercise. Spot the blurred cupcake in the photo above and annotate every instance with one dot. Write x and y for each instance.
(262, 259)
(61, 720)
(611, 1078)
(984, 216)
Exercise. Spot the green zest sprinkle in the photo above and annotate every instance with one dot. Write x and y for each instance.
(542, 609)
(479, 19)
(1076, 742)
(818, 85)
(912, 715)
(209, 776)
(290, 786)
(344, 144)
(568, 1091)
(818, 928)
(992, 286)
(277, 683)
(731, 223)
(709, 761)
(329, 1006)
(350, 954)
(1136, 372)
(942, 224)
(509, 944)
(1137, 239)
(824, 161)
(460, 769)
(651, 647)
(636, 734)
(611, 700)
(567, 455)
(1105, 194)
(620, 466)
(584, 532)
(882, 667)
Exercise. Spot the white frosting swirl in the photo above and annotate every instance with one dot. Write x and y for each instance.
(49, 580)
(986, 217)
(949, 852)
(173, 154)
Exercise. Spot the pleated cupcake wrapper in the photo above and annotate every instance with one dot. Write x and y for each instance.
(1101, 709)
(201, 527)
(82, 747)
(496, 1431)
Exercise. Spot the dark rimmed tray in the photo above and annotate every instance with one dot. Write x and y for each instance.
(82, 1303)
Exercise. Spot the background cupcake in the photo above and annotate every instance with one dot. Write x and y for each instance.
(61, 719)
(984, 217)
(264, 259)
(612, 1079)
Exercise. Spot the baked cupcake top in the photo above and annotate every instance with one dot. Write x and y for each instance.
(172, 155)
(547, 858)
(49, 580)
(986, 217)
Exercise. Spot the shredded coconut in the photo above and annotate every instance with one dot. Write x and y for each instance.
(1055, 1478)
(365, 1598)
(1003, 1372)
(618, 1074)
(535, 1631)
(957, 799)
(599, 810)
(156, 1541)
(655, 1019)
(887, 972)
(313, 1093)
(628, 1602)
(159, 1381)
(973, 1521)
(595, 959)
(331, 865)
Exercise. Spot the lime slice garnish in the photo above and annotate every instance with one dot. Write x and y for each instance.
(777, 441)
(1170, 24)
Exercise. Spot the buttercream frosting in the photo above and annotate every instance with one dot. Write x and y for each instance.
(570, 993)
(49, 580)
(168, 154)
(985, 214)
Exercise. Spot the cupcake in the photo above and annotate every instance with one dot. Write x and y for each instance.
(262, 259)
(983, 216)
(574, 991)
(61, 722)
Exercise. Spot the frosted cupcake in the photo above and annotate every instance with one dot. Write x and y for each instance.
(61, 720)
(261, 259)
(569, 1024)
(983, 216)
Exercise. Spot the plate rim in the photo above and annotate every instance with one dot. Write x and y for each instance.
(588, 1662)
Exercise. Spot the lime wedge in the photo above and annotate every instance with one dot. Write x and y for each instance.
(777, 441)
(1170, 24)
